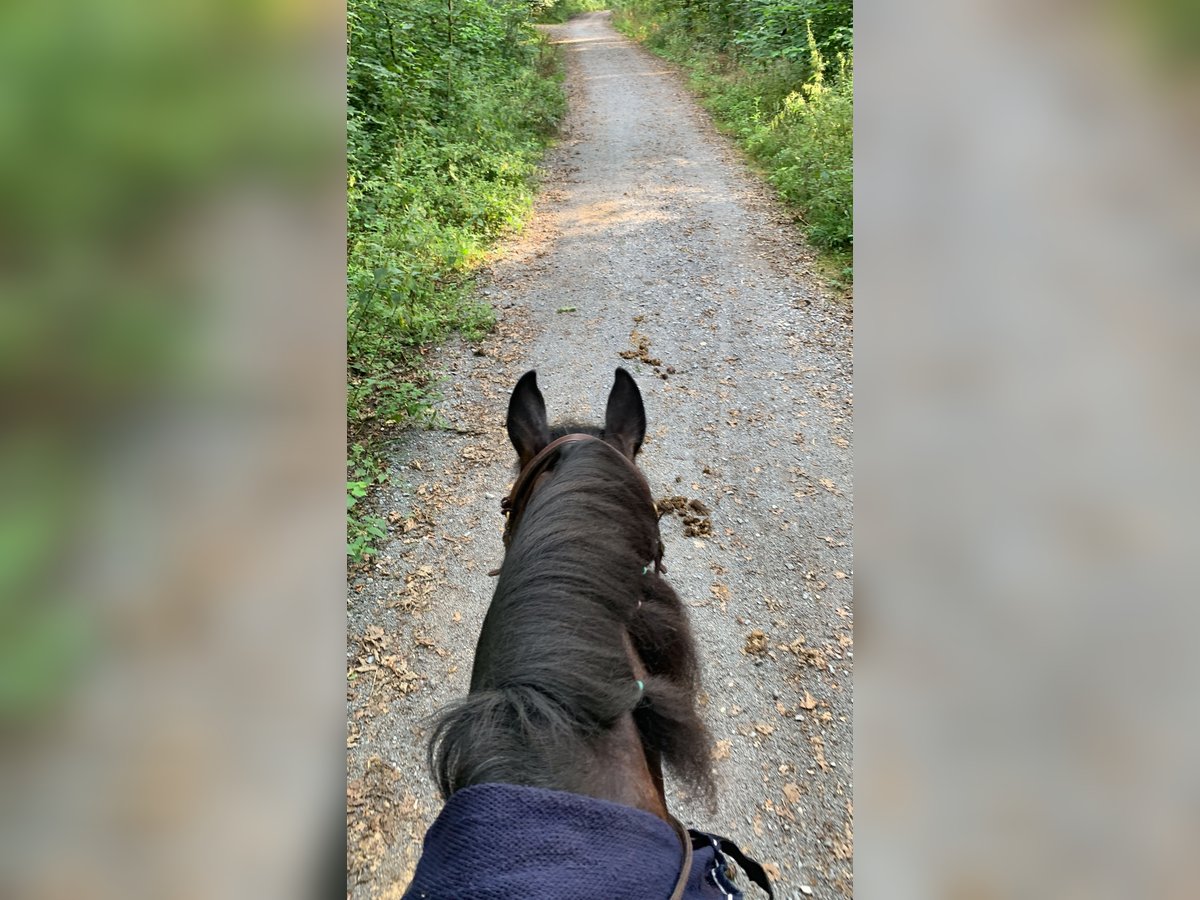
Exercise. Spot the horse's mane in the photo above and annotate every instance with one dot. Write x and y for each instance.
(551, 674)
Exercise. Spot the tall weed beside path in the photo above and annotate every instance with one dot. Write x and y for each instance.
(449, 107)
(779, 75)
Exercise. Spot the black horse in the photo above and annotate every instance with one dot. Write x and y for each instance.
(585, 684)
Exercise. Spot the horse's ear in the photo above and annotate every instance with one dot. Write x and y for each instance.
(527, 426)
(625, 416)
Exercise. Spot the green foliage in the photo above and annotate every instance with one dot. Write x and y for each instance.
(808, 149)
(450, 104)
(366, 470)
(778, 29)
(361, 529)
(753, 30)
(561, 10)
(779, 74)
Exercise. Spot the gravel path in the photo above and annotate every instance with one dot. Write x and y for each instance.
(651, 247)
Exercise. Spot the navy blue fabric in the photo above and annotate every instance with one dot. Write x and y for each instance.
(503, 841)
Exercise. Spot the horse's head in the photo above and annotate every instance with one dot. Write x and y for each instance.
(539, 445)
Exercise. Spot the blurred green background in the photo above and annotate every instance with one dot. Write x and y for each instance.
(121, 124)
(172, 265)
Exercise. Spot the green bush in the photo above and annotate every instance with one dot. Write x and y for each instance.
(808, 151)
(450, 105)
(561, 10)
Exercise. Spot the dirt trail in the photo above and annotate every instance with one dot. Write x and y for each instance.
(651, 247)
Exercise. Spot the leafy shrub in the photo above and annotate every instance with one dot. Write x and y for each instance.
(808, 151)
(561, 10)
(449, 106)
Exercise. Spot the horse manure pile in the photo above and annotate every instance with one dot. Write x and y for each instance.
(697, 518)
(756, 643)
(641, 352)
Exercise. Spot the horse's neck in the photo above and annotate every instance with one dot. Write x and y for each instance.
(636, 777)
(628, 777)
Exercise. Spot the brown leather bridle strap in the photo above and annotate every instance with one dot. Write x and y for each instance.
(514, 504)
(686, 871)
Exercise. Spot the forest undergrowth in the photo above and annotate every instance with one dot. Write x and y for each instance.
(449, 108)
